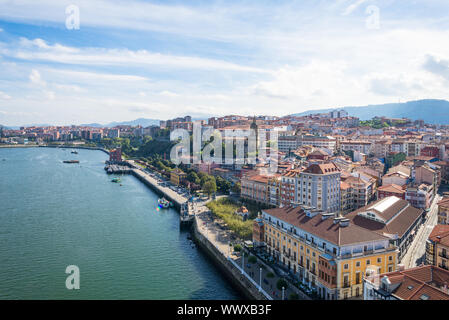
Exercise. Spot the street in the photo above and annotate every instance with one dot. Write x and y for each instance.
(416, 252)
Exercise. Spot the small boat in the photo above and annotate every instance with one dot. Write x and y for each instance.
(74, 151)
(163, 203)
(116, 180)
(71, 161)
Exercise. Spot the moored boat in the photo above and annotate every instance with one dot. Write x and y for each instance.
(71, 161)
(163, 203)
(116, 180)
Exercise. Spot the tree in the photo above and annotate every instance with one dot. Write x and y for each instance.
(193, 177)
(210, 187)
(236, 188)
(252, 259)
(282, 284)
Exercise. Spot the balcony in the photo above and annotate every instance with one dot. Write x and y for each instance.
(346, 285)
(443, 255)
(443, 266)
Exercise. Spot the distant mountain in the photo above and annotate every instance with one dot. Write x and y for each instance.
(141, 121)
(430, 110)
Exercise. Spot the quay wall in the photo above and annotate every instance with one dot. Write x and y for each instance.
(238, 280)
(231, 272)
(156, 188)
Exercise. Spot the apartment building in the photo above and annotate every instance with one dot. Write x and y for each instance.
(391, 190)
(319, 187)
(288, 195)
(360, 146)
(326, 252)
(437, 247)
(443, 211)
(255, 187)
(420, 195)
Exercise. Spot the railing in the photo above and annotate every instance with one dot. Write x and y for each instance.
(251, 279)
(443, 255)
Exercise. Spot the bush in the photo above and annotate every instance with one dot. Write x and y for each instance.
(252, 259)
(270, 275)
(225, 210)
(237, 248)
(293, 296)
(281, 283)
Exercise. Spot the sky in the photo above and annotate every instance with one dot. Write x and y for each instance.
(123, 60)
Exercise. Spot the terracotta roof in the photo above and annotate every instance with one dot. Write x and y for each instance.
(392, 188)
(440, 234)
(420, 283)
(323, 168)
(404, 216)
(444, 202)
(325, 229)
(344, 185)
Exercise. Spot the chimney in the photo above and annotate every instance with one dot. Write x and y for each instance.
(325, 216)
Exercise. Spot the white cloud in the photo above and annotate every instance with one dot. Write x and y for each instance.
(50, 95)
(39, 50)
(35, 77)
(353, 7)
(4, 96)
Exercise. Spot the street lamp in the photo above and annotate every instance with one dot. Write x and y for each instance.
(243, 258)
(260, 279)
(283, 292)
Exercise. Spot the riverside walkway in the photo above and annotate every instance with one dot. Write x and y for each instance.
(148, 179)
(220, 237)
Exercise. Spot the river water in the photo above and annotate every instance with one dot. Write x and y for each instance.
(53, 215)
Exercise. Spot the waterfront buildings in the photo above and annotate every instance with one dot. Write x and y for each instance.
(115, 155)
(177, 176)
(327, 252)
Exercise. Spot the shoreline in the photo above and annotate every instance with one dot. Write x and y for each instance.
(12, 146)
(240, 283)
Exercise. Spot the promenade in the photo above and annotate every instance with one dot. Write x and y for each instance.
(254, 276)
(168, 193)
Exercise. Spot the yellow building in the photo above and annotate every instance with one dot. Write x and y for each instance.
(331, 253)
(177, 176)
(437, 247)
(443, 211)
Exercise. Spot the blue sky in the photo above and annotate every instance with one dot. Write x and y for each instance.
(161, 59)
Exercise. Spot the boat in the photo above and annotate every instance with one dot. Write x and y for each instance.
(71, 161)
(163, 203)
(116, 180)
(74, 151)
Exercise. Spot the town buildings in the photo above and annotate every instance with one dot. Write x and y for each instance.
(328, 252)
(437, 247)
(419, 283)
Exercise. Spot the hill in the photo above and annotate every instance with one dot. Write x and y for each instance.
(430, 110)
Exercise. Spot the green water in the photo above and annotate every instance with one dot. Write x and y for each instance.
(54, 214)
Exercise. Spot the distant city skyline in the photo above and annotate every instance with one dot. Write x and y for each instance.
(163, 59)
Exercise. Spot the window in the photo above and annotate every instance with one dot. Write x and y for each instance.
(357, 264)
(346, 266)
(379, 260)
(390, 258)
(368, 262)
